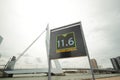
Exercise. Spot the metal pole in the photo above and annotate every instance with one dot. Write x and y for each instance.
(93, 77)
(48, 54)
(49, 69)
(91, 67)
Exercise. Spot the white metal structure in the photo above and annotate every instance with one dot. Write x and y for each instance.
(9, 67)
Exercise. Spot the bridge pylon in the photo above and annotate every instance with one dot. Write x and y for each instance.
(9, 67)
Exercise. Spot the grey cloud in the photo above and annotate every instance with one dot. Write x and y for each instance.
(110, 39)
(27, 55)
(38, 60)
(105, 34)
(27, 61)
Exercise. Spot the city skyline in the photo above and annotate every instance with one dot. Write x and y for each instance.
(22, 21)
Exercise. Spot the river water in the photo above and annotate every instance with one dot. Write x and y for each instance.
(70, 76)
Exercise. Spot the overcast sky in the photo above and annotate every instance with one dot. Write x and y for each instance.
(21, 21)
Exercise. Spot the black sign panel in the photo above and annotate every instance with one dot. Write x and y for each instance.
(67, 41)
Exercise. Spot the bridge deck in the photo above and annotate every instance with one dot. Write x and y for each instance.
(28, 71)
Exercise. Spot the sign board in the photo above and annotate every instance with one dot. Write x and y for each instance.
(67, 41)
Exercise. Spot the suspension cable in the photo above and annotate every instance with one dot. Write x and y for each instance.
(29, 46)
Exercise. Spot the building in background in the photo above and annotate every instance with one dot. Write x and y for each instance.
(1, 38)
(116, 63)
(118, 60)
(94, 63)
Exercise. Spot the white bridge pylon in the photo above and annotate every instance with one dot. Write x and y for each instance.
(9, 68)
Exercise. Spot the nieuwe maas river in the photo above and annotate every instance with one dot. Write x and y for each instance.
(70, 76)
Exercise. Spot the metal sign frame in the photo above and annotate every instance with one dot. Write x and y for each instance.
(70, 41)
(63, 30)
